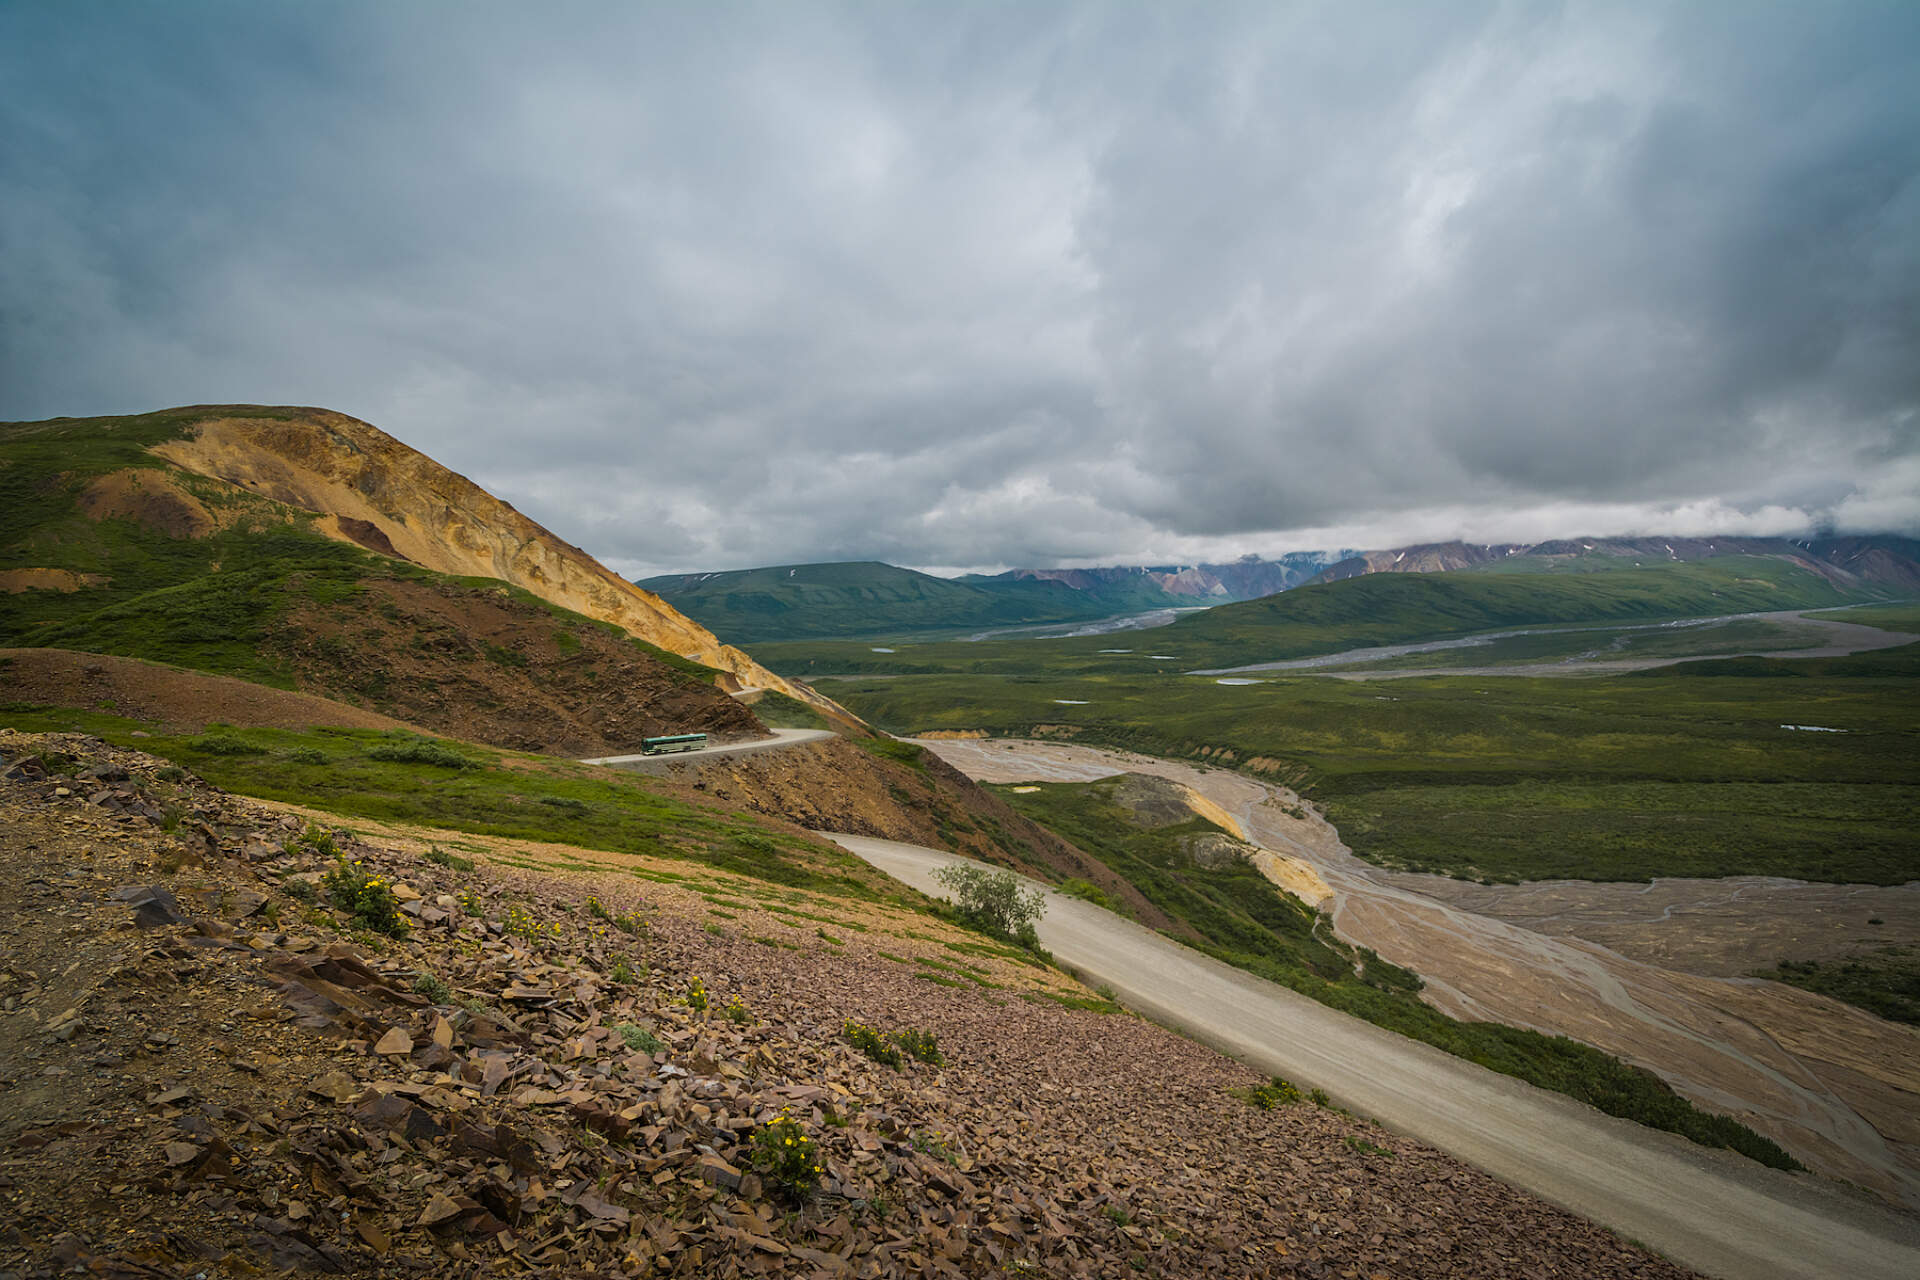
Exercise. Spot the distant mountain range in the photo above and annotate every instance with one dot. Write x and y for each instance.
(868, 598)
(871, 599)
(1883, 560)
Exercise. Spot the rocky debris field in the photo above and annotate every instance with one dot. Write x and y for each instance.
(208, 1069)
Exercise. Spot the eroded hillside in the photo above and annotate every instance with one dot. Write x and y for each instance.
(104, 508)
(375, 491)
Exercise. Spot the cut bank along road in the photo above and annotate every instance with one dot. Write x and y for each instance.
(1716, 1212)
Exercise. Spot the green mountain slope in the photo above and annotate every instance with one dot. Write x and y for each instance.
(1393, 608)
(861, 598)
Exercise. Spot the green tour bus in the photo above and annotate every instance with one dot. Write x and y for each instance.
(672, 742)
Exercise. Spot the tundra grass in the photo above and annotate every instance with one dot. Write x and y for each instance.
(1243, 920)
(1884, 981)
(1618, 644)
(1378, 609)
(1501, 778)
(342, 771)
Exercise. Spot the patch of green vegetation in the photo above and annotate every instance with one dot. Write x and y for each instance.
(910, 754)
(778, 711)
(619, 812)
(1244, 920)
(1274, 1093)
(1088, 891)
(785, 602)
(1238, 911)
(1089, 1004)
(1884, 981)
(412, 749)
(1891, 617)
(453, 861)
(638, 1038)
(893, 1048)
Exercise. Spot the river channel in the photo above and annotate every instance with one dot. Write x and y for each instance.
(1834, 1085)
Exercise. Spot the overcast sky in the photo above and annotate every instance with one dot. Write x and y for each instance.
(960, 284)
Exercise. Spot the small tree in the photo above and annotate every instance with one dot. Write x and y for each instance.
(994, 902)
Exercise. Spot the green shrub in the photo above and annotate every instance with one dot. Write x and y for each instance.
(1275, 1093)
(639, 1038)
(907, 753)
(420, 751)
(369, 899)
(785, 1156)
(452, 860)
(872, 1043)
(994, 903)
(919, 1045)
(222, 742)
(892, 1048)
(305, 755)
(433, 988)
(1088, 891)
(315, 839)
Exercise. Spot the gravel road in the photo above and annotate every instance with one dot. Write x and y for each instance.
(1713, 1211)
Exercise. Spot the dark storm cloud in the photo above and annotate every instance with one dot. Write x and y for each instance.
(704, 286)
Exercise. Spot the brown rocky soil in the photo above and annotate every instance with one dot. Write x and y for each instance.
(201, 1073)
(838, 786)
(170, 698)
(484, 666)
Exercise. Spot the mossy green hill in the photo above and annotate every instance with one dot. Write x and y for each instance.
(863, 598)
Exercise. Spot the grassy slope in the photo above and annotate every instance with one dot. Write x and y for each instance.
(497, 793)
(788, 602)
(1617, 644)
(1884, 981)
(1516, 779)
(1250, 924)
(1393, 608)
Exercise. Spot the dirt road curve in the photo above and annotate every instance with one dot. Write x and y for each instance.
(780, 738)
(1717, 1213)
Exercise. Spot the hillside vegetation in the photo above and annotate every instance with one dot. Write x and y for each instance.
(1378, 609)
(866, 598)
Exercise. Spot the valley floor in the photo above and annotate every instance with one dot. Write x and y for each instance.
(1836, 1086)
